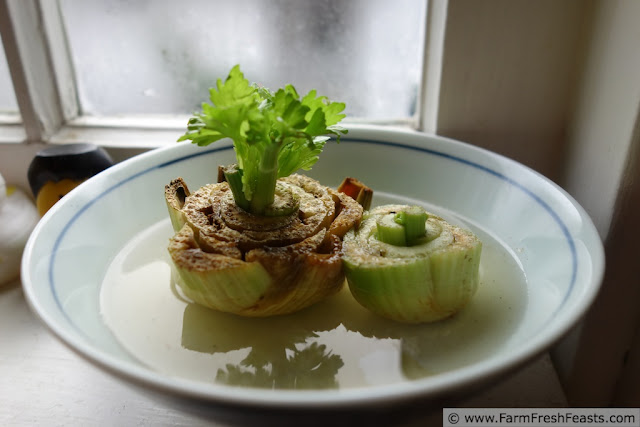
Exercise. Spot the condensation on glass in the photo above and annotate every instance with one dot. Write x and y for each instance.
(161, 56)
(8, 103)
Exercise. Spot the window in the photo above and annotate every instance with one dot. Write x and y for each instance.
(105, 68)
(161, 56)
(11, 129)
(8, 103)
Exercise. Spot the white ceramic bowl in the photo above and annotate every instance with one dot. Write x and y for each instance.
(531, 228)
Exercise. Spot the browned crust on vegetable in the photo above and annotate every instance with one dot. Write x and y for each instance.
(300, 252)
(186, 253)
(176, 192)
(212, 212)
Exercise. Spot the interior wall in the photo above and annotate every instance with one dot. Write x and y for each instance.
(556, 86)
(509, 75)
(603, 174)
(606, 110)
(606, 368)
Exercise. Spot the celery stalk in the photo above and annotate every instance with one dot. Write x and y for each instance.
(404, 228)
(175, 195)
(230, 260)
(413, 220)
(274, 134)
(389, 231)
(429, 281)
(357, 190)
(264, 193)
(233, 176)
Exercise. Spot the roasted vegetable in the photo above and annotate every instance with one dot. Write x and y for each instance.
(410, 266)
(264, 240)
(357, 190)
(233, 261)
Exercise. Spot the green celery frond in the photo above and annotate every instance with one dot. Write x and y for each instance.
(274, 134)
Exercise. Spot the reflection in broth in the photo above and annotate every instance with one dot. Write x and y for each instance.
(276, 360)
(335, 343)
(423, 349)
(309, 368)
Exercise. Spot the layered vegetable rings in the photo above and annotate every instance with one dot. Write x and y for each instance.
(233, 261)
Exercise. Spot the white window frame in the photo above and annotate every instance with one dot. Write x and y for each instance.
(37, 49)
(27, 51)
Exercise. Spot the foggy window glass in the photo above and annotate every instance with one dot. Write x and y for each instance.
(8, 103)
(161, 56)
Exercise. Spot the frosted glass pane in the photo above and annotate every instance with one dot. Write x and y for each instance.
(161, 56)
(8, 103)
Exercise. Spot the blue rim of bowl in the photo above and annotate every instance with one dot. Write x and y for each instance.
(565, 230)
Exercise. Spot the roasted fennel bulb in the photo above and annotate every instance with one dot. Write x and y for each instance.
(410, 266)
(255, 265)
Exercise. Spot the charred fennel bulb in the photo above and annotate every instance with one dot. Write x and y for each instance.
(253, 265)
(18, 216)
(431, 279)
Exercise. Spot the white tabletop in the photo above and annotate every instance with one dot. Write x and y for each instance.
(42, 382)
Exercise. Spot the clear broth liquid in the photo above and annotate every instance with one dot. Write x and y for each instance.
(333, 344)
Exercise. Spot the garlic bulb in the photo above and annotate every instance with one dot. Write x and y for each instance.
(18, 217)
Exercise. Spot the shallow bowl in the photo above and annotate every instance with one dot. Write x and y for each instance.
(542, 265)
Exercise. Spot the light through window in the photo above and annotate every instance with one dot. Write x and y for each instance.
(161, 56)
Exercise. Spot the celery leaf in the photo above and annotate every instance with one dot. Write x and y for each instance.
(274, 134)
